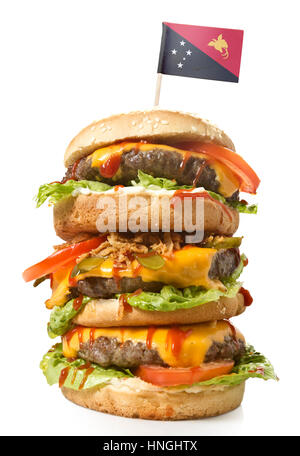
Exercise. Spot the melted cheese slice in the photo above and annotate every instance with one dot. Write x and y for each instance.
(187, 267)
(60, 287)
(229, 183)
(184, 346)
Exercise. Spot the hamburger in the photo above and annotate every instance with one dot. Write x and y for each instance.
(143, 313)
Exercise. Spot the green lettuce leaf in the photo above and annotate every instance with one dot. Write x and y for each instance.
(56, 191)
(240, 206)
(157, 183)
(54, 361)
(251, 365)
(171, 298)
(61, 317)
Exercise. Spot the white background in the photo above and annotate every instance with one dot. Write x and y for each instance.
(66, 63)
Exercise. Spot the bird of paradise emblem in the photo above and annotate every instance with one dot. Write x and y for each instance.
(220, 45)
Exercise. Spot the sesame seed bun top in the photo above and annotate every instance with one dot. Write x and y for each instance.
(156, 125)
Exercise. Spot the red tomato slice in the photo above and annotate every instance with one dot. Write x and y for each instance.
(61, 258)
(249, 181)
(172, 376)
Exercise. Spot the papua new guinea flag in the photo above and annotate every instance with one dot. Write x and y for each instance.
(200, 52)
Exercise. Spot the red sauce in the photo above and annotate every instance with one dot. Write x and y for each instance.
(248, 300)
(74, 167)
(175, 339)
(63, 376)
(137, 270)
(123, 301)
(137, 292)
(185, 193)
(245, 262)
(232, 329)
(116, 273)
(89, 370)
(84, 366)
(150, 334)
(199, 172)
(79, 330)
(146, 255)
(117, 187)
(186, 157)
(92, 336)
(74, 376)
(110, 166)
(77, 302)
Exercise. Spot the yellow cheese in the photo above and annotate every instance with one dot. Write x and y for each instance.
(184, 346)
(60, 288)
(187, 267)
(228, 181)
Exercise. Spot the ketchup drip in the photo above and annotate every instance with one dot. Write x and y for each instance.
(186, 157)
(63, 376)
(111, 165)
(123, 301)
(233, 331)
(74, 376)
(89, 370)
(77, 302)
(199, 172)
(150, 334)
(175, 339)
(186, 193)
(78, 330)
(117, 187)
(92, 336)
(248, 300)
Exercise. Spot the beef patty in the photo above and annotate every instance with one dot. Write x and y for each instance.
(107, 351)
(158, 162)
(223, 264)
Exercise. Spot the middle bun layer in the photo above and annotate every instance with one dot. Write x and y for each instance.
(101, 313)
(79, 214)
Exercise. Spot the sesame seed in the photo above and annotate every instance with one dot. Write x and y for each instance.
(140, 126)
(103, 129)
(149, 121)
(93, 127)
(164, 122)
(133, 123)
(109, 127)
(157, 119)
(194, 128)
(155, 125)
(93, 138)
(102, 125)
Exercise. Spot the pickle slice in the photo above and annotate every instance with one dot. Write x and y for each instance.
(151, 261)
(86, 265)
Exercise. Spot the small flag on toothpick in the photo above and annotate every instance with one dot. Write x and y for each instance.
(199, 52)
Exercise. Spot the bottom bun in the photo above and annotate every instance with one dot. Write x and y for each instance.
(133, 398)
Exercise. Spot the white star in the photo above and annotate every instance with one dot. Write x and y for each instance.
(180, 65)
(174, 52)
(182, 43)
(189, 52)
(184, 58)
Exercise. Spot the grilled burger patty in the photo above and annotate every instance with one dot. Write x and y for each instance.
(107, 351)
(157, 162)
(223, 264)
